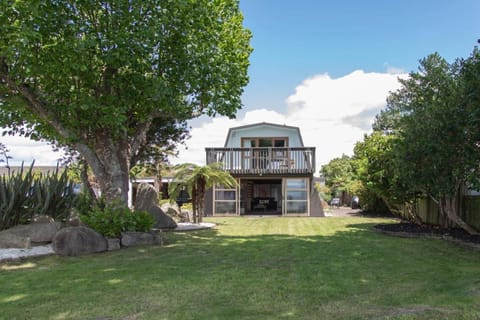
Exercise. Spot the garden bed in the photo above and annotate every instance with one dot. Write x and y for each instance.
(411, 230)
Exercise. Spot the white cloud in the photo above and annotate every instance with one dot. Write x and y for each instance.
(23, 149)
(332, 114)
(394, 70)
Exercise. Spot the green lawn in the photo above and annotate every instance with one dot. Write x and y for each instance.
(254, 268)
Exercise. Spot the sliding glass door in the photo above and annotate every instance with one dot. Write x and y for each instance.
(296, 196)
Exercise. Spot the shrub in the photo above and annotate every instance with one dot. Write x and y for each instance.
(372, 203)
(24, 193)
(112, 220)
(53, 195)
(324, 192)
(15, 197)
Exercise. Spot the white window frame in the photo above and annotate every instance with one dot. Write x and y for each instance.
(234, 201)
(307, 194)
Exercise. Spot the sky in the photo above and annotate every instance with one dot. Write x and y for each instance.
(326, 67)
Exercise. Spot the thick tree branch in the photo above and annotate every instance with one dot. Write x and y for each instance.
(38, 107)
(140, 137)
(90, 156)
(33, 102)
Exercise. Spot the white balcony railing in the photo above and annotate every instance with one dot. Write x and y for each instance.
(278, 161)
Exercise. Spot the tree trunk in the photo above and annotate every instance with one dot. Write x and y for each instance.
(201, 197)
(449, 207)
(410, 208)
(194, 204)
(85, 181)
(412, 212)
(110, 165)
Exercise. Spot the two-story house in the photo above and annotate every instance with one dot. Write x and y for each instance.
(274, 171)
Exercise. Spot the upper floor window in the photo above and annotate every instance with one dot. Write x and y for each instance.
(277, 142)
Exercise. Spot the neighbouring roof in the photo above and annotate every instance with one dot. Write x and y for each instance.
(260, 124)
(41, 169)
(166, 179)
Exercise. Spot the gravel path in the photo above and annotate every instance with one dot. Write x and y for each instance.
(10, 254)
(342, 212)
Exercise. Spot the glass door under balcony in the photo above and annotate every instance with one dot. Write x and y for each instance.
(296, 196)
(260, 196)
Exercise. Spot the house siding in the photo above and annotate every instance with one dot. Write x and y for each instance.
(234, 139)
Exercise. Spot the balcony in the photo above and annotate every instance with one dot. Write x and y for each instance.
(264, 161)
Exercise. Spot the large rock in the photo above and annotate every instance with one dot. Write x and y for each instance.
(147, 200)
(73, 219)
(130, 239)
(74, 241)
(173, 211)
(43, 218)
(38, 232)
(10, 240)
(146, 197)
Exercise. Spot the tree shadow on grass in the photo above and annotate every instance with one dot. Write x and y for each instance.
(353, 273)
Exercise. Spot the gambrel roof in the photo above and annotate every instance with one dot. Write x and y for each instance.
(263, 124)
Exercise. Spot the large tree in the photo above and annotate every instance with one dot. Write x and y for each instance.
(99, 76)
(439, 131)
(377, 169)
(340, 175)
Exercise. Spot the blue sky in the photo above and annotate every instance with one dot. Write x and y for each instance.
(326, 67)
(293, 40)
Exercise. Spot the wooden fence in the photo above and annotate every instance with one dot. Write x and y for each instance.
(429, 212)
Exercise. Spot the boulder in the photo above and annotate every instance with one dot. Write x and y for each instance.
(74, 241)
(173, 211)
(43, 218)
(38, 232)
(147, 200)
(73, 219)
(11, 240)
(162, 221)
(130, 239)
(146, 197)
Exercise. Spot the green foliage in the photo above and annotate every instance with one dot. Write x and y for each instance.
(426, 141)
(15, 197)
(197, 179)
(115, 80)
(187, 206)
(85, 203)
(440, 127)
(372, 202)
(340, 175)
(24, 194)
(378, 172)
(111, 221)
(53, 194)
(324, 192)
(4, 157)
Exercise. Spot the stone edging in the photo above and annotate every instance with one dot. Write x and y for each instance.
(470, 245)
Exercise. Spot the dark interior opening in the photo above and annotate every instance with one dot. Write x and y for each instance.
(261, 196)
